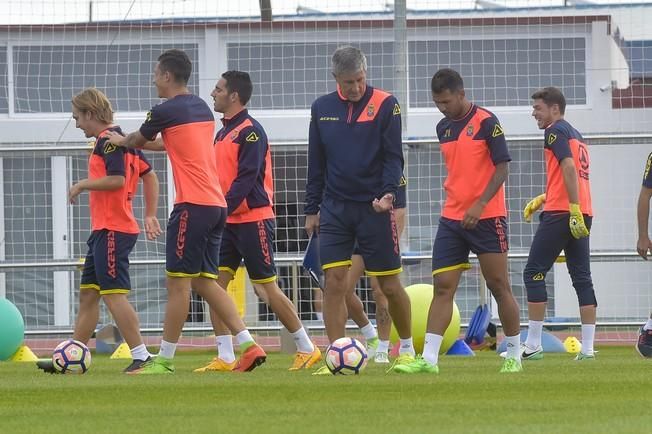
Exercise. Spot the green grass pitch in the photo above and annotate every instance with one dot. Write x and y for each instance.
(554, 395)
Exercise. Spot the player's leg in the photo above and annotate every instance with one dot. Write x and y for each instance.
(336, 239)
(256, 244)
(494, 270)
(307, 353)
(318, 303)
(225, 360)
(88, 314)
(127, 321)
(356, 308)
(219, 301)
(252, 355)
(383, 318)
(578, 262)
(489, 241)
(398, 305)
(229, 261)
(192, 247)
(335, 289)
(549, 240)
(377, 236)
(383, 322)
(450, 257)
(644, 342)
(112, 270)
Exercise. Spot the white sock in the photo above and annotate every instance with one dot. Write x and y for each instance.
(383, 347)
(301, 339)
(406, 347)
(320, 316)
(431, 348)
(139, 352)
(513, 346)
(243, 337)
(648, 325)
(167, 349)
(224, 345)
(534, 331)
(588, 333)
(369, 331)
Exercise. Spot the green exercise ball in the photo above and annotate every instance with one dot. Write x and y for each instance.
(420, 297)
(12, 329)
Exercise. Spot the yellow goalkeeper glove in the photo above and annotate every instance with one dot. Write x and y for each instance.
(533, 206)
(577, 226)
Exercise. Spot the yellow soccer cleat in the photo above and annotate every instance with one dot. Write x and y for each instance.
(306, 360)
(217, 365)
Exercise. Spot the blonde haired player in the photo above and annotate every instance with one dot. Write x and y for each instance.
(112, 181)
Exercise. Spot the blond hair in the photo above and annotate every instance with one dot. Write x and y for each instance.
(91, 100)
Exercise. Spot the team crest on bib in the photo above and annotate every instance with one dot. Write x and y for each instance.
(109, 147)
(234, 134)
(469, 130)
(370, 110)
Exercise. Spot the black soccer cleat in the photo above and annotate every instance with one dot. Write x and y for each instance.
(47, 366)
(136, 365)
(644, 343)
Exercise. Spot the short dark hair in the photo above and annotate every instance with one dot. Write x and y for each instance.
(551, 95)
(446, 79)
(177, 63)
(240, 82)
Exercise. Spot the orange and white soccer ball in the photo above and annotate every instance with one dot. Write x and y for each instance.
(71, 357)
(346, 356)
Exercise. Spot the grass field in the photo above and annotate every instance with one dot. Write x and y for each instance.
(555, 395)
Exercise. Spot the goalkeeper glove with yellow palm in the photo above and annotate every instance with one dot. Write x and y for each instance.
(577, 226)
(533, 206)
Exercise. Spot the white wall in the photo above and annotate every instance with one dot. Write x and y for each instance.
(604, 64)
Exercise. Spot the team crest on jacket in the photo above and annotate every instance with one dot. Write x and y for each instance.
(370, 110)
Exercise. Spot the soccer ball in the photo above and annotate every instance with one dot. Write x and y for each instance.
(346, 356)
(71, 357)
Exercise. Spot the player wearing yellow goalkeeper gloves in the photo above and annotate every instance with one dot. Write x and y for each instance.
(564, 223)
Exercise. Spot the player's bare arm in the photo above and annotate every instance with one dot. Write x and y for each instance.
(107, 183)
(155, 145)
(132, 140)
(472, 215)
(569, 173)
(151, 191)
(643, 245)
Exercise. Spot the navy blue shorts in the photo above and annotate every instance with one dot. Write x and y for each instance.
(453, 243)
(342, 223)
(252, 242)
(193, 240)
(552, 236)
(399, 202)
(106, 266)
